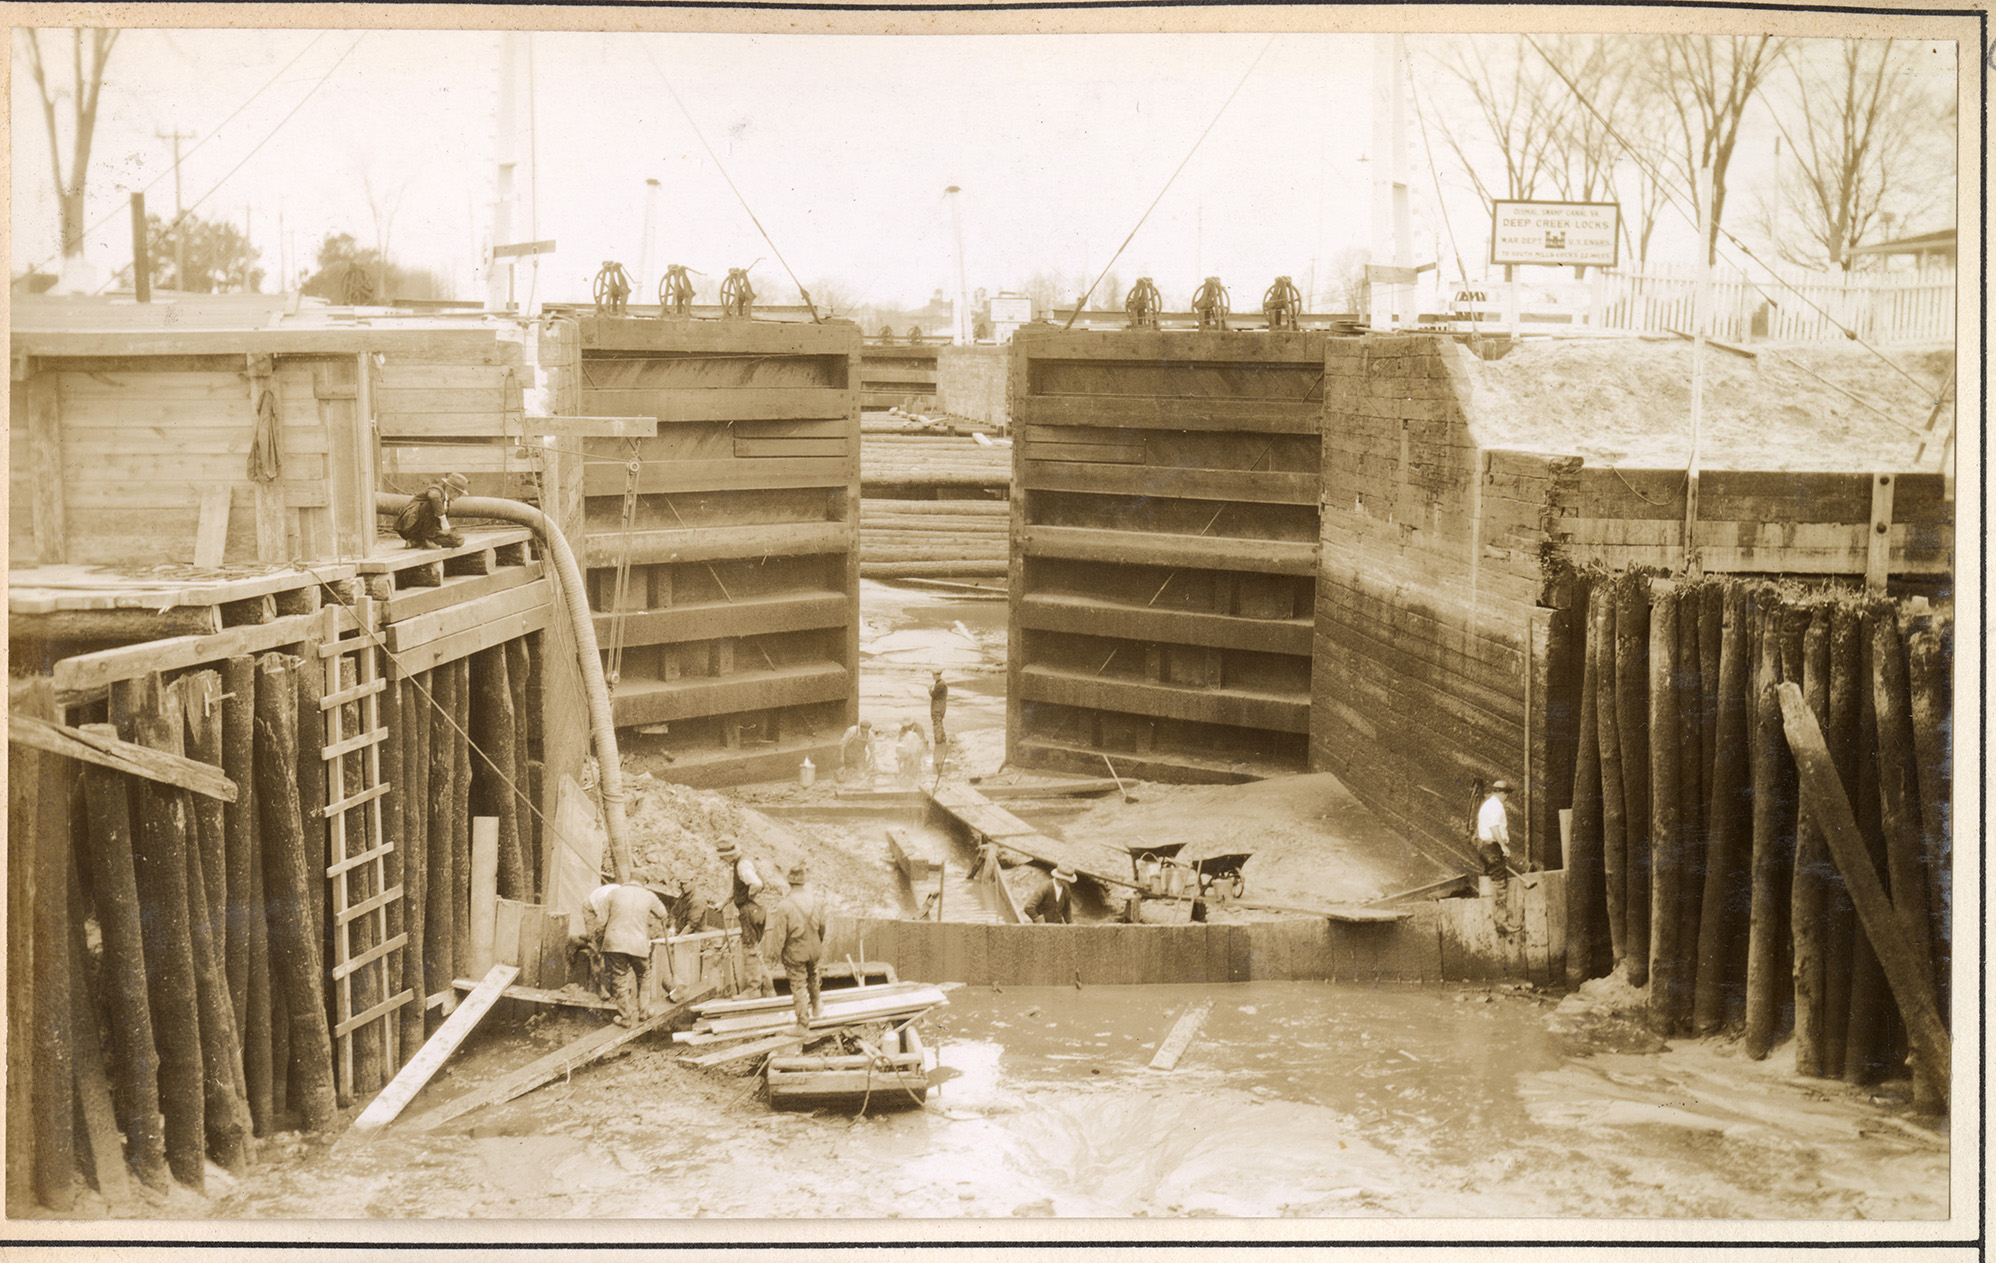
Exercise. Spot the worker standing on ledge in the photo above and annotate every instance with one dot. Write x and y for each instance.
(1493, 831)
(620, 920)
(938, 703)
(797, 931)
(745, 886)
(1053, 903)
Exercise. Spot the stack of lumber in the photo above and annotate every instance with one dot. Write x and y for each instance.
(933, 460)
(901, 539)
(726, 1021)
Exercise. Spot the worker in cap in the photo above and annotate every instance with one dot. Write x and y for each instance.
(856, 752)
(797, 937)
(425, 521)
(938, 703)
(1053, 903)
(744, 885)
(619, 921)
(1493, 830)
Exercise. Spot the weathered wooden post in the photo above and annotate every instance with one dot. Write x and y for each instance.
(160, 863)
(1666, 847)
(1723, 904)
(1888, 929)
(1809, 890)
(1864, 1034)
(415, 795)
(1692, 759)
(1584, 873)
(1763, 956)
(239, 830)
(291, 889)
(1632, 717)
(1899, 807)
(1839, 919)
(1614, 834)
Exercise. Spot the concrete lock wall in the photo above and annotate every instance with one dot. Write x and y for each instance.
(973, 381)
(1164, 523)
(734, 532)
(1431, 643)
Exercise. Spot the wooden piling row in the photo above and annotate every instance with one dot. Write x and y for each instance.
(1722, 896)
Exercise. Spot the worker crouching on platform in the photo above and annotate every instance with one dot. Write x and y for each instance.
(1053, 903)
(745, 885)
(619, 921)
(424, 522)
(856, 753)
(797, 933)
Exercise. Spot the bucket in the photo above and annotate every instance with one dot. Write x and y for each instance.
(807, 773)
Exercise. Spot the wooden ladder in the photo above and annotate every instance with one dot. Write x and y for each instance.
(357, 850)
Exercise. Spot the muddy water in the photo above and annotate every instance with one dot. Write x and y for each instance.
(1297, 1099)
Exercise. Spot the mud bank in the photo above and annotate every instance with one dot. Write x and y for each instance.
(1296, 1100)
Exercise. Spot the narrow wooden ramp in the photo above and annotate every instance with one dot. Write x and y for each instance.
(402, 1089)
(594, 1046)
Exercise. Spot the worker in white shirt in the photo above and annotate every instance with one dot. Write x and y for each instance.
(1493, 831)
(745, 885)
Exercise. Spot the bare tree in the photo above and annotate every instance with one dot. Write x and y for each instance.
(89, 84)
(382, 206)
(1346, 284)
(1855, 128)
(1516, 102)
(1710, 81)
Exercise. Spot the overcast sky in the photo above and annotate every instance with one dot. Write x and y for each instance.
(842, 145)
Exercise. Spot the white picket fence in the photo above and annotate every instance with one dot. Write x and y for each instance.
(1801, 307)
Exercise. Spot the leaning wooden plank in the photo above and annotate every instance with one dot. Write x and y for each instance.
(591, 1047)
(403, 1088)
(161, 766)
(211, 533)
(774, 1044)
(1890, 935)
(541, 995)
(1182, 1033)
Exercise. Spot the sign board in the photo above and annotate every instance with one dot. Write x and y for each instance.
(523, 248)
(1559, 234)
(1011, 309)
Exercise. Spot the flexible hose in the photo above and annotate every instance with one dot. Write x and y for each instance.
(568, 577)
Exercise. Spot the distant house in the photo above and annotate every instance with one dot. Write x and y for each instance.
(1929, 250)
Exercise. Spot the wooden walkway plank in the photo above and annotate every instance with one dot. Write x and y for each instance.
(424, 1065)
(773, 1044)
(591, 1047)
(1182, 1034)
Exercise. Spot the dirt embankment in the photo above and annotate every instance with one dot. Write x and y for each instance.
(1627, 402)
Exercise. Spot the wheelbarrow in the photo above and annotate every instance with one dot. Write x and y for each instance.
(1151, 864)
(1220, 875)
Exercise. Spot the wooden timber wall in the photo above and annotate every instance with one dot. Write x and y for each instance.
(740, 621)
(1164, 539)
(457, 407)
(1448, 645)
(262, 962)
(973, 381)
(1450, 940)
(898, 375)
(121, 457)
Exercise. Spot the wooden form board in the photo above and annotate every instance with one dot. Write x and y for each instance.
(1193, 457)
(755, 461)
(421, 1068)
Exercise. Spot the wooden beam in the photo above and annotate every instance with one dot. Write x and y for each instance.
(791, 611)
(1823, 796)
(1183, 1031)
(472, 343)
(721, 404)
(755, 1048)
(659, 701)
(721, 543)
(394, 1098)
(86, 671)
(591, 1047)
(1264, 556)
(116, 624)
(590, 427)
(1093, 616)
(45, 464)
(411, 633)
(729, 473)
(98, 744)
(1152, 412)
(1042, 472)
(1235, 707)
(1878, 539)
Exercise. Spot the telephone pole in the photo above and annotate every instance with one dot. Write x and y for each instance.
(179, 253)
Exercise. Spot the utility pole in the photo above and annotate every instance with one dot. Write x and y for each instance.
(962, 321)
(179, 253)
(1392, 244)
(498, 287)
(644, 241)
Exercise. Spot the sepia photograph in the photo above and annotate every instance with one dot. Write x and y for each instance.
(1033, 624)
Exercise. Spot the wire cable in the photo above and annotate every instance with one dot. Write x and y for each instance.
(1083, 303)
(196, 146)
(1672, 192)
(1434, 174)
(268, 137)
(716, 159)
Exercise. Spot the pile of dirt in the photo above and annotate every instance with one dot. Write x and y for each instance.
(675, 828)
(1627, 402)
(1311, 840)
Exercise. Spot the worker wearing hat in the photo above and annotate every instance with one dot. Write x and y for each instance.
(797, 935)
(1493, 830)
(856, 752)
(1053, 903)
(744, 885)
(620, 921)
(425, 521)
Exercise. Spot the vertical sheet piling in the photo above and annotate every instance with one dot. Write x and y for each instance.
(1809, 889)
(440, 944)
(1614, 831)
(1666, 847)
(1724, 899)
(415, 795)
(1585, 914)
(1632, 718)
(1763, 955)
(239, 830)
